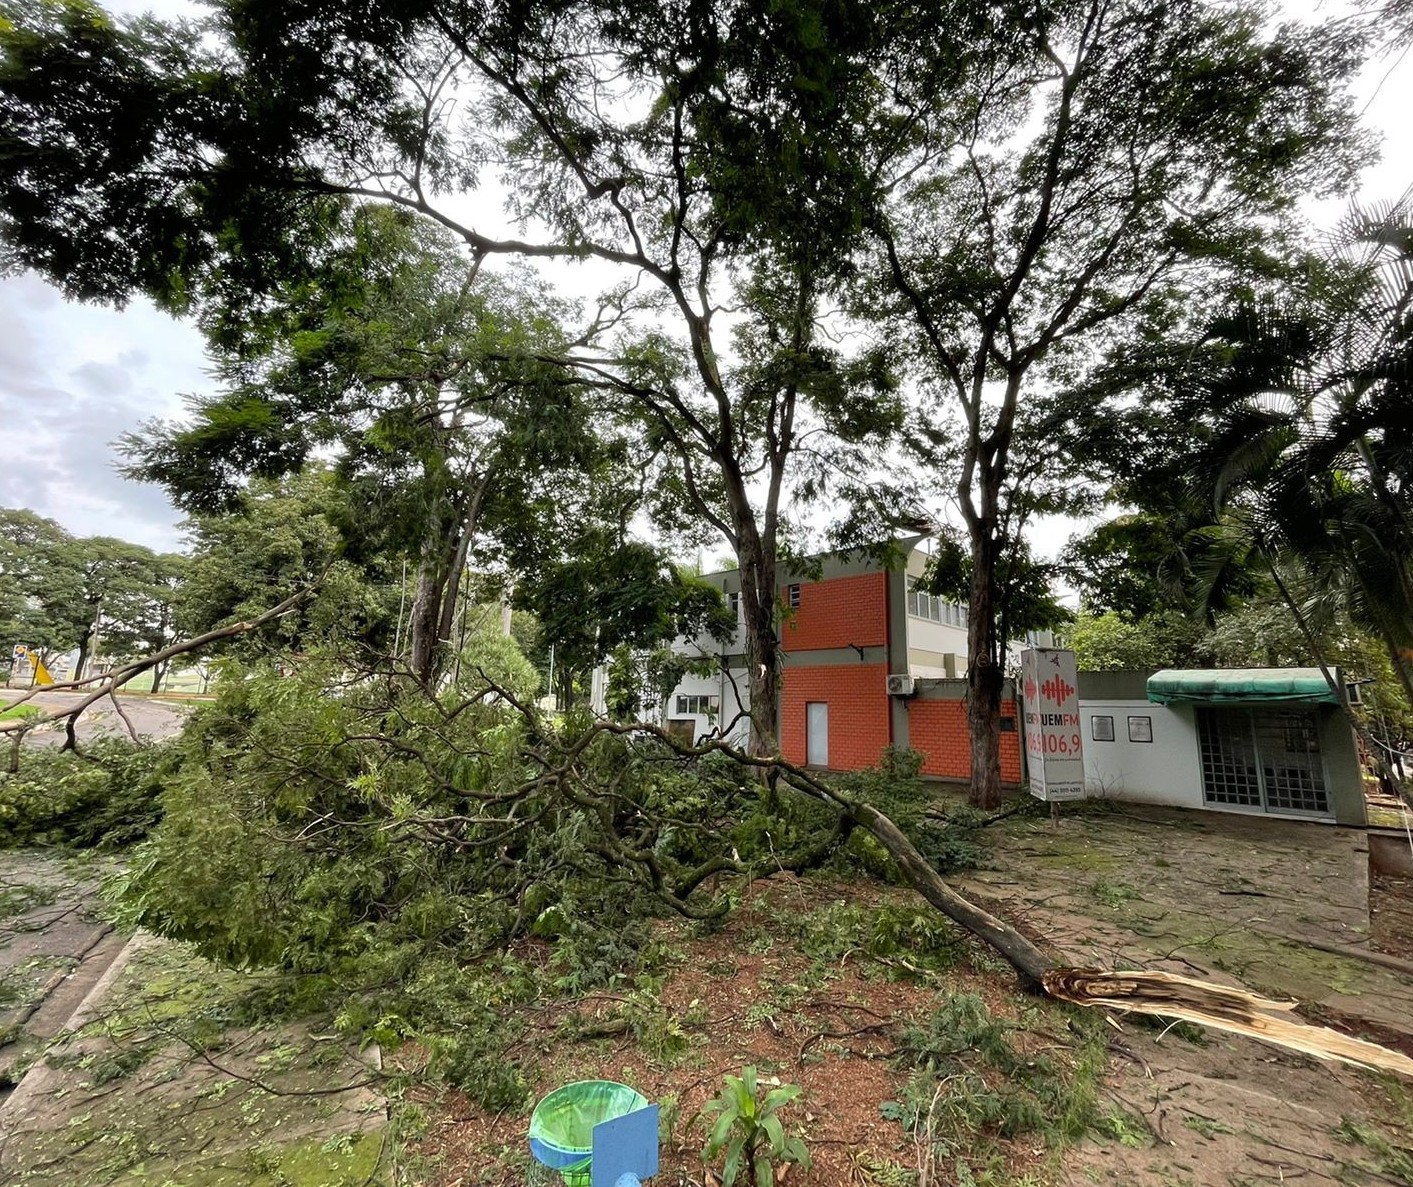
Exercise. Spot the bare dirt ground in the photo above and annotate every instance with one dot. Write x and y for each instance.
(1228, 898)
(1391, 915)
(1236, 899)
(750, 995)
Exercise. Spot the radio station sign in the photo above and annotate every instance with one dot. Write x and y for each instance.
(1054, 742)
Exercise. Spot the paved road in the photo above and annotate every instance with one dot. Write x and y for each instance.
(150, 719)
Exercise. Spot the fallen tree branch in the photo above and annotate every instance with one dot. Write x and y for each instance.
(106, 684)
(1166, 995)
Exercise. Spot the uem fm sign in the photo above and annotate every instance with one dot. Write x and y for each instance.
(1054, 743)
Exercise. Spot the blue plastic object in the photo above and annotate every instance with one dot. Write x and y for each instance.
(625, 1149)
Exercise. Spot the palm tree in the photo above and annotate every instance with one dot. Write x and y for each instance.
(1311, 462)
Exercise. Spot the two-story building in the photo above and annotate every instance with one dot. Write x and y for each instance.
(870, 661)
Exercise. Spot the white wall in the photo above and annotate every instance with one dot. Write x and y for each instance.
(1167, 770)
(925, 635)
(734, 697)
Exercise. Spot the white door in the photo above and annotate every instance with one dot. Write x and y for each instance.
(817, 733)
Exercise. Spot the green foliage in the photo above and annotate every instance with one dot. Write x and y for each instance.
(1024, 601)
(278, 538)
(747, 1134)
(906, 937)
(491, 656)
(1265, 632)
(425, 866)
(895, 786)
(619, 593)
(1106, 642)
(969, 1083)
(657, 1029)
(110, 796)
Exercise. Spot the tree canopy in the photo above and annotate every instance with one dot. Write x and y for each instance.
(58, 590)
(798, 201)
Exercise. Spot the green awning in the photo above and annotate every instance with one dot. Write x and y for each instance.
(1232, 686)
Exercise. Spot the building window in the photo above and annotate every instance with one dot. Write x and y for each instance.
(733, 603)
(932, 608)
(792, 594)
(700, 706)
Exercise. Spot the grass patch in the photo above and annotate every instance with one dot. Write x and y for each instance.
(20, 712)
(1389, 1159)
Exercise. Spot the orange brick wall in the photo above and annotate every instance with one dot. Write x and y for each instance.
(938, 730)
(840, 612)
(858, 712)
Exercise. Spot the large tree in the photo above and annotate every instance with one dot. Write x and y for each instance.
(37, 576)
(59, 591)
(715, 156)
(426, 378)
(276, 538)
(1308, 455)
(1080, 173)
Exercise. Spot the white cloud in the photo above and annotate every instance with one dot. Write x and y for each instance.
(73, 379)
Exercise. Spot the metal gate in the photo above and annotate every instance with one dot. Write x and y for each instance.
(1263, 758)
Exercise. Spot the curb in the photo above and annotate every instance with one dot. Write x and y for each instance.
(33, 1082)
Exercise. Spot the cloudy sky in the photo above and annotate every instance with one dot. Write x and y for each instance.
(73, 378)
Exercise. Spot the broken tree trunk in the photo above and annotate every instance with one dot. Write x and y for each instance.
(1164, 994)
(1167, 995)
(1238, 1011)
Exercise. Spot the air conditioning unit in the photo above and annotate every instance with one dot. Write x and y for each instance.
(1352, 693)
(900, 685)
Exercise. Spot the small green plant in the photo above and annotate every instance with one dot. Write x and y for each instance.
(1206, 1126)
(748, 1132)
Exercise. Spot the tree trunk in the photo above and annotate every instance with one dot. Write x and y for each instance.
(762, 645)
(1028, 961)
(424, 622)
(984, 675)
(457, 548)
(159, 671)
(82, 661)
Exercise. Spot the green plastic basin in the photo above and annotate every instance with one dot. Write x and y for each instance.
(562, 1125)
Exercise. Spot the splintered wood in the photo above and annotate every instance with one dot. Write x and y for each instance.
(1169, 995)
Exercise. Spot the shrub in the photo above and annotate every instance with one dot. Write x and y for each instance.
(403, 847)
(107, 797)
